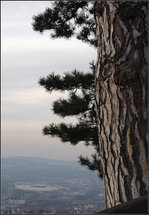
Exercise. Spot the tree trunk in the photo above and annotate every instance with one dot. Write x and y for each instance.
(121, 98)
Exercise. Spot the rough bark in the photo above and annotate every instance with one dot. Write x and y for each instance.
(121, 98)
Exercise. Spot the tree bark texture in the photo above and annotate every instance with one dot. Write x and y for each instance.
(121, 97)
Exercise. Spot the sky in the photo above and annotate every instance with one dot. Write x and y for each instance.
(26, 56)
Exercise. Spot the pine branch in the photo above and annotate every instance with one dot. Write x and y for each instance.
(70, 81)
(75, 17)
(67, 19)
(93, 165)
(71, 133)
(74, 105)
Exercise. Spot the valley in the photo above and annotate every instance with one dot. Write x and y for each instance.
(33, 185)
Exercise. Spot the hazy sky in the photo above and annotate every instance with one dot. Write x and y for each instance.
(26, 107)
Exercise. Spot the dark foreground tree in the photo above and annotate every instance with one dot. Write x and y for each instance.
(81, 104)
(121, 98)
(58, 21)
(121, 86)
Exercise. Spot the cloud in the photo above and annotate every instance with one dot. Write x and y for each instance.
(25, 9)
(21, 127)
(40, 43)
(27, 56)
(25, 139)
(43, 147)
(31, 97)
(31, 105)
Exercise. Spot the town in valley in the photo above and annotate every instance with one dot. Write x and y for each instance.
(36, 185)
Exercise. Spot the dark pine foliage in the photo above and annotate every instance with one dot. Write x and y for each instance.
(80, 103)
(71, 81)
(93, 165)
(67, 19)
(74, 134)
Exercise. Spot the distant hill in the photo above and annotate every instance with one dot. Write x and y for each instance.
(32, 168)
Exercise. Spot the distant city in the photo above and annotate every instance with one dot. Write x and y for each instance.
(44, 186)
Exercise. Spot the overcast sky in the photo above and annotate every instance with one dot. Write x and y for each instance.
(26, 107)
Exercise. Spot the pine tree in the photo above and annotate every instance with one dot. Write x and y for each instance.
(121, 97)
(120, 82)
(81, 14)
(80, 103)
